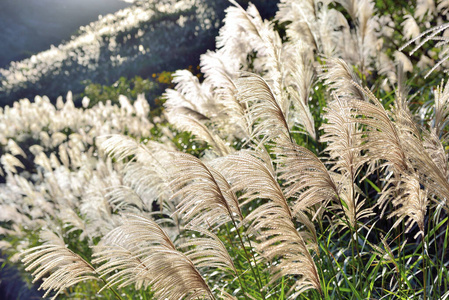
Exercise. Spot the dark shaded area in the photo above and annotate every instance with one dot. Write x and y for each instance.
(13, 287)
(266, 8)
(28, 26)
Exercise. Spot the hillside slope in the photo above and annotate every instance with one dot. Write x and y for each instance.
(147, 37)
(28, 27)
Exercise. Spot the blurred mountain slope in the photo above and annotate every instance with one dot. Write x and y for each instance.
(29, 26)
(148, 37)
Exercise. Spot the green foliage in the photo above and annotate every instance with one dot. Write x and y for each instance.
(131, 88)
(391, 7)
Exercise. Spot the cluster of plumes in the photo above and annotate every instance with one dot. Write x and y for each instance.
(133, 40)
(232, 103)
(257, 94)
(249, 44)
(54, 171)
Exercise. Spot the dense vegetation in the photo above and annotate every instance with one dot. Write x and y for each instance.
(307, 160)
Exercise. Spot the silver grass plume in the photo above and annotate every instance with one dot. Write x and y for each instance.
(323, 29)
(399, 59)
(362, 12)
(11, 163)
(338, 76)
(266, 42)
(272, 222)
(410, 199)
(410, 27)
(251, 23)
(302, 18)
(15, 149)
(431, 35)
(304, 177)
(189, 86)
(441, 109)
(400, 112)
(147, 181)
(396, 139)
(428, 160)
(71, 219)
(189, 93)
(267, 117)
(140, 252)
(215, 69)
(279, 239)
(202, 133)
(208, 252)
(123, 197)
(42, 160)
(344, 145)
(255, 176)
(402, 91)
(191, 106)
(443, 7)
(94, 207)
(120, 250)
(410, 204)
(383, 141)
(206, 198)
(424, 7)
(301, 75)
(243, 33)
(343, 135)
(66, 268)
(146, 171)
(282, 70)
(435, 148)
(121, 147)
(303, 114)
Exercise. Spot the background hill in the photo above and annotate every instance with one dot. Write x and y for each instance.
(145, 38)
(28, 27)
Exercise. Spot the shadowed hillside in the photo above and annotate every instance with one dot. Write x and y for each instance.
(145, 38)
(28, 27)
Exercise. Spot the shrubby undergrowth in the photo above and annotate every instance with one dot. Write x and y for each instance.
(314, 169)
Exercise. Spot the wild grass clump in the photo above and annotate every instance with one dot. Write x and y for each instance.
(325, 173)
